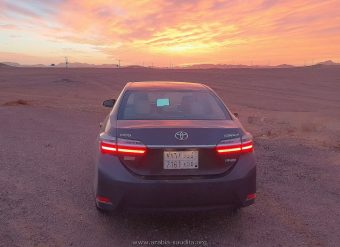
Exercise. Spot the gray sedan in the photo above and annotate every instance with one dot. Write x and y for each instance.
(172, 146)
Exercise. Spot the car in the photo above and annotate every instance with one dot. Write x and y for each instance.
(172, 146)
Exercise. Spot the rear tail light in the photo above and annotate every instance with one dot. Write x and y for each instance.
(108, 147)
(126, 146)
(235, 146)
(122, 146)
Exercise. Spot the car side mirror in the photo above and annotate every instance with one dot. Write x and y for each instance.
(109, 103)
(236, 114)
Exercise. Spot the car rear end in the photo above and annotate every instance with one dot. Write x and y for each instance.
(173, 159)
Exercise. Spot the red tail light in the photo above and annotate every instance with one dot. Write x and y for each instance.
(131, 150)
(108, 147)
(247, 146)
(123, 146)
(237, 145)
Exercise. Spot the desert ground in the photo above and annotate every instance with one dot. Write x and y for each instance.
(49, 119)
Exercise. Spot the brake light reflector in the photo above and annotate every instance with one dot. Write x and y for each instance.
(251, 196)
(103, 199)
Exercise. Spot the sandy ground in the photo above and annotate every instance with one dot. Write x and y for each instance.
(49, 119)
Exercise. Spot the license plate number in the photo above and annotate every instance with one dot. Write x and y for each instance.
(180, 160)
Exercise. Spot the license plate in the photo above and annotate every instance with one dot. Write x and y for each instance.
(180, 160)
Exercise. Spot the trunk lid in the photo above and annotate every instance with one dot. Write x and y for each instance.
(161, 136)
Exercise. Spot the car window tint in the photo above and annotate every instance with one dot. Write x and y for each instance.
(148, 105)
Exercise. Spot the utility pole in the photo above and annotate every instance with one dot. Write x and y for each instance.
(66, 62)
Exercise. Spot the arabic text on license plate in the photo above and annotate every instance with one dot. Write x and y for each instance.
(180, 160)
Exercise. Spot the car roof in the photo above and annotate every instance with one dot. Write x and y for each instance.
(175, 85)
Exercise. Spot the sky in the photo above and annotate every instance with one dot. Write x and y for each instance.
(165, 32)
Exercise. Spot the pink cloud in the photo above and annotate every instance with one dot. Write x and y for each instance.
(192, 29)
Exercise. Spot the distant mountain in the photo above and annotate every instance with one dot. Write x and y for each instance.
(20, 65)
(135, 67)
(12, 64)
(231, 66)
(36, 65)
(3, 65)
(107, 66)
(328, 63)
(194, 66)
(214, 66)
(86, 65)
(62, 65)
(284, 66)
(228, 66)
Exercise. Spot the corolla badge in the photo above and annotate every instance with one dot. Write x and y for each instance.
(181, 135)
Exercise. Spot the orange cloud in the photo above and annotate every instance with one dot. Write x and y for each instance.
(189, 31)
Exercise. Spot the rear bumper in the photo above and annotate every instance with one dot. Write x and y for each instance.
(126, 190)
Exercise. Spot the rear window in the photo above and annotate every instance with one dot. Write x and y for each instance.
(167, 105)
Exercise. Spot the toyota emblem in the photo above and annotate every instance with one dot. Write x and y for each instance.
(181, 135)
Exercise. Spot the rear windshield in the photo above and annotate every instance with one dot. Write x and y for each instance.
(167, 105)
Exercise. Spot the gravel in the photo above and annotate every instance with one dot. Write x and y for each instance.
(47, 146)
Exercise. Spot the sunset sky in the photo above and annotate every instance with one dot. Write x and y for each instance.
(163, 32)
